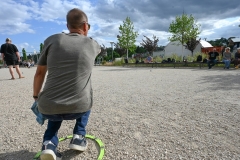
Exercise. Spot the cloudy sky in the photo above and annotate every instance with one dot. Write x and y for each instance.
(30, 22)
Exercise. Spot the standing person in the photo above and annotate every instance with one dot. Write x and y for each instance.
(227, 58)
(11, 56)
(212, 58)
(67, 93)
(237, 58)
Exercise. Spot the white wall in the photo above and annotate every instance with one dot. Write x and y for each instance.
(176, 48)
(158, 53)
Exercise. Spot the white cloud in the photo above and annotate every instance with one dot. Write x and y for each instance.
(23, 45)
(215, 28)
(13, 19)
(56, 10)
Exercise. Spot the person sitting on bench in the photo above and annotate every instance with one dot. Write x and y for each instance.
(212, 58)
(227, 58)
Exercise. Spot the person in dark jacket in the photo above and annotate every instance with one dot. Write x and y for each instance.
(212, 58)
(11, 56)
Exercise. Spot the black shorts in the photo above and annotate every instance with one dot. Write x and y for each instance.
(12, 63)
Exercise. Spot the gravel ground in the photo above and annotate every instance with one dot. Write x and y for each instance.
(138, 113)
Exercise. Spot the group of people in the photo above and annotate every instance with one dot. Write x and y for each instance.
(213, 58)
(27, 63)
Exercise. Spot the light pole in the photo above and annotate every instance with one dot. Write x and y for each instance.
(112, 50)
(34, 52)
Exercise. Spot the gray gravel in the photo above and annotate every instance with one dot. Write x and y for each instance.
(138, 113)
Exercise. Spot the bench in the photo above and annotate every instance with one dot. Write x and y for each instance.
(170, 64)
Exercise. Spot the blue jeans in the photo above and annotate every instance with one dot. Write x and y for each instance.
(55, 121)
(227, 63)
(211, 63)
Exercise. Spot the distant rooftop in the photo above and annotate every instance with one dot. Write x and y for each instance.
(235, 39)
(205, 44)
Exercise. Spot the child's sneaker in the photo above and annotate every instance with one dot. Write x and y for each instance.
(49, 152)
(78, 142)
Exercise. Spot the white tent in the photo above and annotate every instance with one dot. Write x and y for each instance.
(176, 48)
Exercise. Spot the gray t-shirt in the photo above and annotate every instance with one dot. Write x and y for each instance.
(227, 56)
(69, 59)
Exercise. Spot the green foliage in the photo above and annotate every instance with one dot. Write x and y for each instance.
(127, 36)
(176, 57)
(1, 61)
(140, 49)
(157, 59)
(131, 60)
(190, 58)
(204, 56)
(119, 50)
(219, 42)
(220, 57)
(109, 54)
(24, 54)
(104, 62)
(41, 47)
(117, 63)
(183, 29)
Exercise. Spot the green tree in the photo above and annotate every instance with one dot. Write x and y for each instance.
(140, 49)
(219, 42)
(127, 37)
(150, 45)
(183, 29)
(41, 47)
(24, 54)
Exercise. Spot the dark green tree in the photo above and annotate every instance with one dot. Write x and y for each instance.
(41, 47)
(219, 42)
(121, 51)
(24, 54)
(140, 49)
(127, 37)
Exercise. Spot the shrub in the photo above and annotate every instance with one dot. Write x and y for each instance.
(117, 63)
(103, 62)
(176, 57)
(157, 59)
(204, 56)
(131, 60)
(190, 58)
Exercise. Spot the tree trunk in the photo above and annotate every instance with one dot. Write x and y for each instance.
(182, 53)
